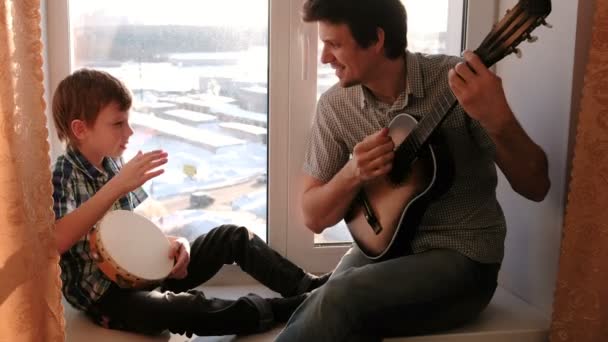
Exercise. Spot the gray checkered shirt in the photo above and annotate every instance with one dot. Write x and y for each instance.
(468, 217)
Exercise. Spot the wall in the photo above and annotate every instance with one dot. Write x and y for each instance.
(545, 101)
(51, 28)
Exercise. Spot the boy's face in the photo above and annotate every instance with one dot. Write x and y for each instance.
(108, 136)
(352, 63)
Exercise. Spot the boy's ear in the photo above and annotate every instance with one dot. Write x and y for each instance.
(79, 128)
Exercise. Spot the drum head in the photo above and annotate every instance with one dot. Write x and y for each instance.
(136, 244)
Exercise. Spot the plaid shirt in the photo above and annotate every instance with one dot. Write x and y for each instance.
(468, 217)
(75, 180)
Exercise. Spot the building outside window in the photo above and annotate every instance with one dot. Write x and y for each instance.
(225, 87)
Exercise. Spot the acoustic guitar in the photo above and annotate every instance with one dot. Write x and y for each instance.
(384, 216)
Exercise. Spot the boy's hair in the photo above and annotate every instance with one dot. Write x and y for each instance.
(363, 18)
(82, 95)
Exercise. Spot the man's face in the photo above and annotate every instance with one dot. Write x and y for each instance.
(352, 63)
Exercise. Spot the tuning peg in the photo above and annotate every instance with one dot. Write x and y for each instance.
(531, 39)
(544, 23)
(517, 52)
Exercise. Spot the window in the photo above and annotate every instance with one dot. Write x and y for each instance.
(198, 73)
(226, 88)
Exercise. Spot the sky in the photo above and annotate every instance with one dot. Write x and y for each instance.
(423, 15)
(184, 12)
(433, 18)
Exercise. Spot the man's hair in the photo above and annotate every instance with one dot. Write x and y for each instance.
(82, 95)
(363, 18)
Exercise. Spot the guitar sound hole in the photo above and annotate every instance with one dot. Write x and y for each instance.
(402, 168)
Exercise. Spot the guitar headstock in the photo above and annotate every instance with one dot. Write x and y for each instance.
(515, 27)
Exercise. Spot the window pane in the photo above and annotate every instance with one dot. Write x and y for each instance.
(427, 33)
(198, 73)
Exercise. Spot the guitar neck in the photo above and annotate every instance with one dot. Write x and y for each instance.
(410, 147)
(432, 120)
(502, 40)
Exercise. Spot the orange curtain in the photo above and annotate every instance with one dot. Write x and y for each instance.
(30, 297)
(580, 310)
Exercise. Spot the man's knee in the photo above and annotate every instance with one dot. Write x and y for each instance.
(334, 298)
(331, 307)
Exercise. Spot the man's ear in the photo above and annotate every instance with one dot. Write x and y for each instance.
(379, 44)
(79, 128)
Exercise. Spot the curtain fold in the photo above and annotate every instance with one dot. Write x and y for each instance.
(30, 296)
(580, 310)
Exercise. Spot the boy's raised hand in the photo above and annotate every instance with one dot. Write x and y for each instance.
(139, 170)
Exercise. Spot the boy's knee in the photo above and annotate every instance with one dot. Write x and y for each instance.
(233, 234)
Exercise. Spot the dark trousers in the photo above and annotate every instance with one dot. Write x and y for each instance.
(181, 310)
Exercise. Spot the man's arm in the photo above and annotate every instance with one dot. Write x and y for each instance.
(479, 91)
(522, 161)
(325, 204)
(73, 226)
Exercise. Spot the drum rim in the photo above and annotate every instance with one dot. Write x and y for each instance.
(106, 255)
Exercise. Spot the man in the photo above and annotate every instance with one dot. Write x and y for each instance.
(450, 275)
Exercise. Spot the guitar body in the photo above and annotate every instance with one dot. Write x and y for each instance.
(398, 208)
(384, 216)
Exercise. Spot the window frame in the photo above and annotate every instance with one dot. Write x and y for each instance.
(292, 90)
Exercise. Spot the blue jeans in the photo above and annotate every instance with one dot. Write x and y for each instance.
(411, 295)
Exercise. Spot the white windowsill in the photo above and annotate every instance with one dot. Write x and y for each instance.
(507, 319)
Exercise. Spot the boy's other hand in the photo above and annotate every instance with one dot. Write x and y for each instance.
(180, 252)
(139, 170)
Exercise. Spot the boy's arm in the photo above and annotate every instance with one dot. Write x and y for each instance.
(72, 226)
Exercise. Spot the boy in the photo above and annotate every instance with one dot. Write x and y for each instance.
(90, 111)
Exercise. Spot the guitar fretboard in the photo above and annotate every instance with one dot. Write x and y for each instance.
(407, 152)
(501, 41)
(432, 120)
